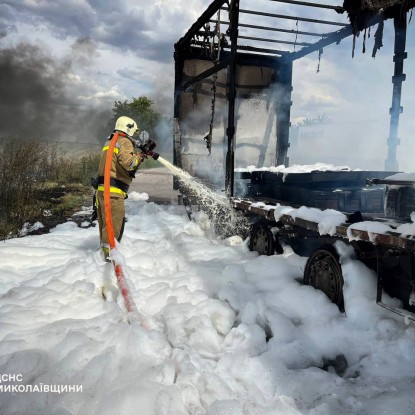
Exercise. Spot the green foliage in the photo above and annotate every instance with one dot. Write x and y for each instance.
(34, 175)
(21, 173)
(140, 110)
(79, 168)
(149, 163)
(70, 201)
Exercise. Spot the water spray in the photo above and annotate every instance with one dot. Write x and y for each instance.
(225, 219)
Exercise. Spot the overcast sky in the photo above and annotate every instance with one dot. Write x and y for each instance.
(88, 53)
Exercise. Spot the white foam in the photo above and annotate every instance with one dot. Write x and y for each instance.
(213, 306)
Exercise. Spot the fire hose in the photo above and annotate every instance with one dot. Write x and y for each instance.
(122, 283)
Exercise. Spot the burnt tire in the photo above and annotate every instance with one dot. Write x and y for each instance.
(262, 240)
(323, 271)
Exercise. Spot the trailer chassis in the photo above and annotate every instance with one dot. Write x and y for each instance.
(391, 255)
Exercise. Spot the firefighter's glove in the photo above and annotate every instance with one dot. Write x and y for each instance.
(141, 157)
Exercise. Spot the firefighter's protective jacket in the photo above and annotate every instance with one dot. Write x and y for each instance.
(124, 163)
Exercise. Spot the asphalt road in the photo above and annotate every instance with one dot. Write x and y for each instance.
(157, 183)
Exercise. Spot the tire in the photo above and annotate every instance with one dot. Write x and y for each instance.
(323, 272)
(262, 240)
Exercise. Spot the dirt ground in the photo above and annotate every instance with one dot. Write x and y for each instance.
(157, 183)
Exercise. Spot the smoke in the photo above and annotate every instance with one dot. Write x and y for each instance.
(84, 51)
(39, 95)
(162, 93)
(164, 138)
(354, 94)
(255, 142)
(31, 85)
(356, 127)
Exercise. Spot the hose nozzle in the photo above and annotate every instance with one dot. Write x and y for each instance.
(147, 148)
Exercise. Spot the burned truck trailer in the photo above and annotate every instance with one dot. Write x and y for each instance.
(232, 104)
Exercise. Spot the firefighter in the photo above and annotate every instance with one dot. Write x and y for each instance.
(124, 165)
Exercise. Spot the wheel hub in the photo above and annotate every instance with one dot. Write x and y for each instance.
(261, 241)
(325, 276)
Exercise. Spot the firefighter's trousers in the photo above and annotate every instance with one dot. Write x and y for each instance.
(118, 214)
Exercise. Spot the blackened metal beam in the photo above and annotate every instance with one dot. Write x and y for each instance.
(285, 42)
(230, 131)
(262, 50)
(338, 9)
(243, 58)
(334, 37)
(274, 29)
(284, 16)
(209, 72)
(250, 48)
(256, 60)
(203, 19)
(292, 31)
(391, 162)
(178, 67)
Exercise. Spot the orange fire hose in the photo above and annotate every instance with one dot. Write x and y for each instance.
(122, 284)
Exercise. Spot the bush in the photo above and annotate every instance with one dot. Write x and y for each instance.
(37, 176)
(27, 169)
(21, 173)
(78, 168)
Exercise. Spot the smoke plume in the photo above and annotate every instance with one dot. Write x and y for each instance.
(38, 99)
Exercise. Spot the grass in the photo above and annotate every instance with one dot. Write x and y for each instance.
(149, 163)
(51, 205)
(37, 176)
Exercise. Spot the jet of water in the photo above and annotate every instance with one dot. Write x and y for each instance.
(225, 219)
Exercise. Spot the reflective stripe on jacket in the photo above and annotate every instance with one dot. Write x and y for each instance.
(124, 161)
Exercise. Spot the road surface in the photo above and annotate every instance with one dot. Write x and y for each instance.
(157, 183)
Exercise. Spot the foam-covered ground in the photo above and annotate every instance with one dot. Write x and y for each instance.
(232, 332)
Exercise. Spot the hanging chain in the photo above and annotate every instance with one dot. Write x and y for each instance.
(320, 52)
(215, 60)
(296, 35)
(364, 41)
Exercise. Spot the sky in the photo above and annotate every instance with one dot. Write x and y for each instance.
(63, 64)
(219, 330)
(79, 56)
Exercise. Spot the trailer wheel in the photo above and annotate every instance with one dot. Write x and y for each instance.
(262, 240)
(323, 271)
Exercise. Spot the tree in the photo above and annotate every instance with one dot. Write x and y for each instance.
(148, 119)
(139, 109)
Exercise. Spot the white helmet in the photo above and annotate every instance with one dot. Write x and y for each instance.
(126, 125)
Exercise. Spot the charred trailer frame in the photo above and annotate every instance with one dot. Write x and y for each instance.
(391, 255)
(223, 51)
(212, 62)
